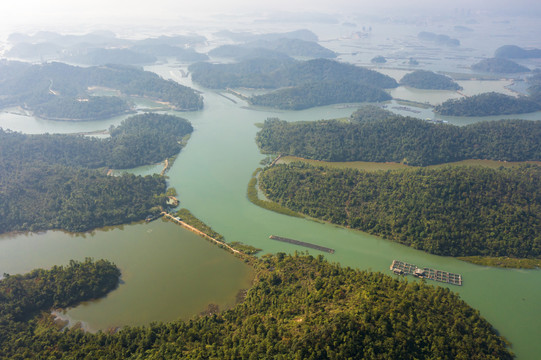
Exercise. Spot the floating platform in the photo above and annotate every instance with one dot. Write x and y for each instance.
(302, 243)
(402, 268)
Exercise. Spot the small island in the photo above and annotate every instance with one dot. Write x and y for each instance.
(278, 73)
(61, 92)
(319, 94)
(439, 39)
(488, 104)
(422, 79)
(102, 48)
(499, 66)
(516, 52)
(286, 46)
(378, 60)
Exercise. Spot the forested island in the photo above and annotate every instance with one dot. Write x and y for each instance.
(438, 39)
(422, 79)
(102, 48)
(60, 91)
(319, 94)
(60, 182)
(451, 211)
(299, 307)
(488, 104)
(287, 46)
(276, 73)
(499, 65)
(246, 36)
(371, 135)
(516, 52)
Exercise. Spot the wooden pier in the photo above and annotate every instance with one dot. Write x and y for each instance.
(402, 268)
(302, 243)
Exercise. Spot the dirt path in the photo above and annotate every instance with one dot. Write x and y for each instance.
(199, 232)
(165, 167)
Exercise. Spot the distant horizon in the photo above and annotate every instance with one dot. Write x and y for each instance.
(31, 14)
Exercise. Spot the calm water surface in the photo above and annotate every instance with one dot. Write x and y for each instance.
(211, 175)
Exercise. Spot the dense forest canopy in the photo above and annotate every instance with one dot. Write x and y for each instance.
(59, 90)
(452, 211)
(89, 108)
(488, 104)
(499, 65)
(300, 307)
(24, 296)
(38, 197)
(395, 138)
(276, 73)
(319, 94)
(139, 140)
(51, 182)
(422, 79)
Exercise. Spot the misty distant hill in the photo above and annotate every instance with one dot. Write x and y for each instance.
(499, 66)
(439, 39)
(111, 56)
(104, 38)
(301, 34)
(242, 53)
(320, 94)
(488, 104)
(289, 47)
(165, 50)
(422, 79)
(60, 91)
(101, 48)
(515, 52)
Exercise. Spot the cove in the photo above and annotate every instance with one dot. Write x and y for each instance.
(211, 175)
(167, 272)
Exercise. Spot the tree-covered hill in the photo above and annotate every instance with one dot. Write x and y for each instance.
(100, 56)
(422, 79)
(516, 52)
(394, 138)
(59, 90)
(245, 36)
(139, 140)
(52, 182)
(241, 53)
(319, 94)
(277, 73)
(452, 211)
(438, 39)
(499, 65)
(300, 307)
(488, 104)
(287, 46)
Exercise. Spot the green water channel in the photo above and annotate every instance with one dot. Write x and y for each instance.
(211, 175)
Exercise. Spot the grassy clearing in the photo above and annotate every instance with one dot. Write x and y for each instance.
(375, 166)
(504, 262)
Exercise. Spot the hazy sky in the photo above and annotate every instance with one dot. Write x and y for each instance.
(33, 12)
